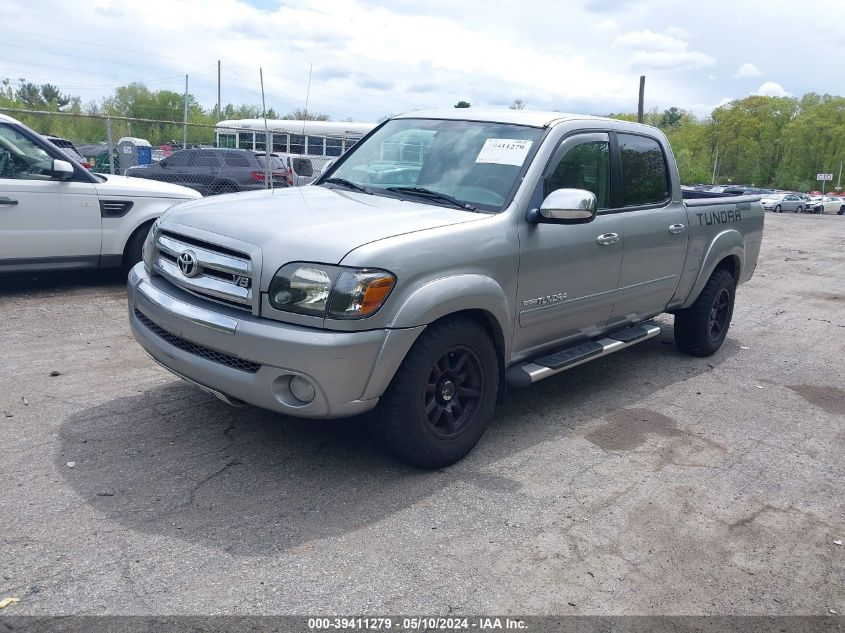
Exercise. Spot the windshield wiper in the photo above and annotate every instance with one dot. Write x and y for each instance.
(430, 193)
(343, 182)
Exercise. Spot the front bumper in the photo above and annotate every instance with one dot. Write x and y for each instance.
(241, 357)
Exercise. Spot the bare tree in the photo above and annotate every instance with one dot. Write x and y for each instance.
(301, 115)
(518, 104)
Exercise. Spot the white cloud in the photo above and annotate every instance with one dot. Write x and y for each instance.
(772, 89)
(747, 70)
(650, 41)
(711, 77)
(605, 25)
(677, 31)
(660, 51)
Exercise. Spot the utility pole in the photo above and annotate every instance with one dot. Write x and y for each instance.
(111, 145)
(715, 165)
(219, 111)
(185, 117)
(642, 100)
(839, 179)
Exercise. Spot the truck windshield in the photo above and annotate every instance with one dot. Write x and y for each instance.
(473, 162)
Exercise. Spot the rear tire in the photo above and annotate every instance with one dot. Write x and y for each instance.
(701, 329)
(841, 210)
(441, 399)
(132, 253)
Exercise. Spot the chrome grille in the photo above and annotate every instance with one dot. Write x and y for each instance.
(221, 274)
(198, 350)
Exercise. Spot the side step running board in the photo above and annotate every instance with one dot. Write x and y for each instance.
(529, 372)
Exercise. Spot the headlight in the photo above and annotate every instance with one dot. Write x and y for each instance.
(330, 291)
(147, 248)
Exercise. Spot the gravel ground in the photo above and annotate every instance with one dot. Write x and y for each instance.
(646, 482)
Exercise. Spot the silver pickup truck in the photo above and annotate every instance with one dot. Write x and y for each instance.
(449, 255)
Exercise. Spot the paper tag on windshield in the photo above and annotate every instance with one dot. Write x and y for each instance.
(504, 151)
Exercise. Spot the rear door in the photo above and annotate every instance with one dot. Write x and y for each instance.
(654, 223)
(43, 222)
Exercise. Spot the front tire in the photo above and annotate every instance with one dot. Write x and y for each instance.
(841, 210)
(799, 210)
(441, 399)
(134, 246)
(777, 209)
(701, 329)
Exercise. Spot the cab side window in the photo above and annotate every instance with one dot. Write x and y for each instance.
(645, 177)
(22, 159)
(585, 166)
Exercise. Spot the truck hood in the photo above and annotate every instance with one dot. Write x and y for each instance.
(311, 223)
(143, 188)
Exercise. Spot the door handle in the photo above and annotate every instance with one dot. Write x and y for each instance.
(677, 228)
(607, 239)
(8, 201)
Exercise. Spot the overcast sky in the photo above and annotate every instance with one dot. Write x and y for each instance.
(372, 59)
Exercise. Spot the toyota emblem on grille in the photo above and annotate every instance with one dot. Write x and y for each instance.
(188, 263)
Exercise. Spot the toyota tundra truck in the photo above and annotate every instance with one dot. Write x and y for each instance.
(448, 256)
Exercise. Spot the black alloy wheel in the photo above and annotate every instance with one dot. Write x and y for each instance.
(453, 391)
(719, 314)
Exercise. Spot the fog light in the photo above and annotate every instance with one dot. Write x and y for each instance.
(302, 389)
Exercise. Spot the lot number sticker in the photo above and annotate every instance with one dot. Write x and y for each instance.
(504, 151)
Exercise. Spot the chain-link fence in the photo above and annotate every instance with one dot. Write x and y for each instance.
(226, 158)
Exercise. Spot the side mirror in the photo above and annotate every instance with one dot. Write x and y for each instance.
(565, 206)
(62, 170)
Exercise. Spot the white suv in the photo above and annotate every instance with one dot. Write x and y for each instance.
(55, 214)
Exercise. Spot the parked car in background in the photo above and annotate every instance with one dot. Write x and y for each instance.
(300, 169)
(69, 148)
(779, 202)
(827, 204)
(212, 171)
(55, 214)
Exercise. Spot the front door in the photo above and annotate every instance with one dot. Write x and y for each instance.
(43, 221)
(568, 273)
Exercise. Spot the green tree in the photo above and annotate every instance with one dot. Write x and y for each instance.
(462, 104)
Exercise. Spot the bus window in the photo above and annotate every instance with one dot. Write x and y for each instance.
(315, 145)
(350, 143)
(261, 141)
(280, 143)
(333, 146)
(227, 140)
(245, 140)
(297, 144)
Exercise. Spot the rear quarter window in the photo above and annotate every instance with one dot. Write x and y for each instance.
(645, 176)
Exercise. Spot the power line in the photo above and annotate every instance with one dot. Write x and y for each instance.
(96, 59)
